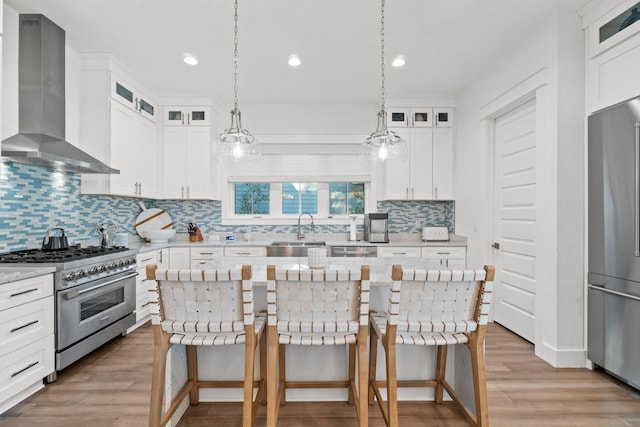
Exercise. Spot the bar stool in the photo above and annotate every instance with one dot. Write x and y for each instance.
(315, 308)
(433, 308)
(205, 308)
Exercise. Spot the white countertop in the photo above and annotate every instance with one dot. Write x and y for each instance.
(12, 274)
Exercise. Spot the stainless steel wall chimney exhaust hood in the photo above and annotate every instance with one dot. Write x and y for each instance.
(41, 124)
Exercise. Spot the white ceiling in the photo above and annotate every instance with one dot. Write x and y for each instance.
(447, 43)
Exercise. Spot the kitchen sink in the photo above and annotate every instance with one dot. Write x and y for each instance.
(291, 248)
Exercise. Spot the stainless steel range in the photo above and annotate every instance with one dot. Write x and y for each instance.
(95, 299)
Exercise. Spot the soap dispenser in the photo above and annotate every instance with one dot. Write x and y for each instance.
(352, 229)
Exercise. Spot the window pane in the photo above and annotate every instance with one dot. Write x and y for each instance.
(356, 198)
(252, 198)
(337, 198)
(299, 197)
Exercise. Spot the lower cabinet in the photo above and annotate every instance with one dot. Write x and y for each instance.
(203, 257)
(27, 348)
(452, 257)
(399, 251)
(179, 258)
(143, 310)
(245, 251)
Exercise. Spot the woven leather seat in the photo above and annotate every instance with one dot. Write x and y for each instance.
(205, 308)
(314, 308)
(433, 308)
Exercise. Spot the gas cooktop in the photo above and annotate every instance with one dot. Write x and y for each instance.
(62, 255)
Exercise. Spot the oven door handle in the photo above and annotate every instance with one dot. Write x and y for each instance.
(74, 294)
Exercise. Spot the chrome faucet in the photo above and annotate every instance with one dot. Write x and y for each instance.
(300, 235)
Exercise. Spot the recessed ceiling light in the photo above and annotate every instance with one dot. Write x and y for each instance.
(294, 61)
(190, 59)
(399, 61)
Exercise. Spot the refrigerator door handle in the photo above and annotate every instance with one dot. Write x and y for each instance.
(609, 291)
(636, 208)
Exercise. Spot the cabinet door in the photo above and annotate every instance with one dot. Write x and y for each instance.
(146, 108)
(443, 163)
(174, 116)
(179, 258)
(146, 163)
(198, 162)
(174, 154)
(198, 116)
(398, 174)
(443, 117)
(421, 155)
(421, 117)
(122, 92)
(163, 258)
(399, 251)
(124, 152)
(398, 117)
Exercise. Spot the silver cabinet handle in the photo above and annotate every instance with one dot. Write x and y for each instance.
(407, 192)
(413, 193)
(636, 208)
(29, 366)
(23, 292)
(23, 326)
(182, 189)
(436, 190)
(188, 196)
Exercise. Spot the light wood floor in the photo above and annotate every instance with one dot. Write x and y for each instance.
(111, 387)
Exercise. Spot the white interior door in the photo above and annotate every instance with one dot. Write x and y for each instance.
(515, 213)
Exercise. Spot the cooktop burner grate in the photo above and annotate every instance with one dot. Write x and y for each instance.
(62, 255)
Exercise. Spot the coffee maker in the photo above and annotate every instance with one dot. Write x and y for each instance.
(376, 227)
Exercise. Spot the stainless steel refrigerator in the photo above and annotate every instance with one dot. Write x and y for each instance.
(613, 326)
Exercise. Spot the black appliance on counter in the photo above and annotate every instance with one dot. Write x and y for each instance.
(95, 295)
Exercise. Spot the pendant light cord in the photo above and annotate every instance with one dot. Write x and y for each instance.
(235, 55)
(382, 103)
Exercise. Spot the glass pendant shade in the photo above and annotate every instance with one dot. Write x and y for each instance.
(237, 143)
(383, 144)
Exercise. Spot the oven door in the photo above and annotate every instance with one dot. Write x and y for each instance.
(88, 308)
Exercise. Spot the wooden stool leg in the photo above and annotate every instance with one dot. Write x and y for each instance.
(441, 367)
(352, 372)
(262, 397)
(272, 377)
(282, 369)
(161, 347)
(392, 384)
(373, 358)
(192, 372)
(249, 362)
(363, 383)
(476, 348)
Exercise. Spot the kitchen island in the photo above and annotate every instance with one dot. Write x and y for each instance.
(318, 362)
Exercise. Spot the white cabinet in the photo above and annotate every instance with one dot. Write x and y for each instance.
(143, 309)
(27, 349)
(205, 257)
(126, 94)
(411, 179)
(399, 251)
(163, 258)
(242, 251)
(179, 258)
(425, 117)
(428, 172)
(121, 134)
(451, 257)
(187, 116)
(187, 162)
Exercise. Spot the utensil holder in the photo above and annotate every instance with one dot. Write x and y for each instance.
(196, 237)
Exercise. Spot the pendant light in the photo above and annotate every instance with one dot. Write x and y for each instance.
(235, 142)
(383, 144)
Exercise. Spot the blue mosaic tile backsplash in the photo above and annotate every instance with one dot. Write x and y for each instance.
(35, 198)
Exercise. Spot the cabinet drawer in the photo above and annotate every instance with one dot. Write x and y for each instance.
(25, 324)
(206, 253)
(147, 258)
(246, 251)
(26, 366)
(399, 251)
(26, 290)
(202, 264)
(444, 252)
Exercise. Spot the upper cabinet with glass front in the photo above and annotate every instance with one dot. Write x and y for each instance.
(187, 116)
(126, 94)
(419, 117)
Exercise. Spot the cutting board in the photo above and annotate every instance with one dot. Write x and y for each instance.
(152, 219)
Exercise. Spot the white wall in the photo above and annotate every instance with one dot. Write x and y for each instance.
(549, 66)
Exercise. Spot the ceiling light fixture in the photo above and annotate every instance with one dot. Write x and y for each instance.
(235, 142)
(399, 61)
(383, 144)
(190, 59)
(294, 61)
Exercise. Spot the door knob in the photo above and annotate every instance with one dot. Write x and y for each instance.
(496, 245)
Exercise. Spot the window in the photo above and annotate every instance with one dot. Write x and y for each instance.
(251, 198)
(300, 197)
(286, 199)
(346, 198)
